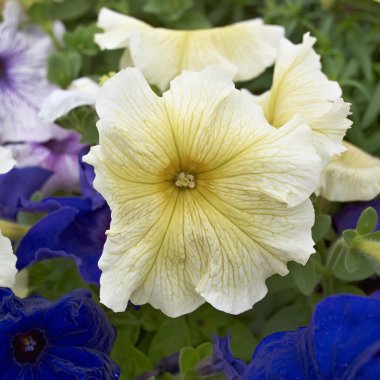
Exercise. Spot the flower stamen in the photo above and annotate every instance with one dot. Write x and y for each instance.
(185, 180)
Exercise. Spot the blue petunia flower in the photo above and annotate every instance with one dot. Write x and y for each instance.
(23, 183)
(69, 339)
(348, 217)
(74, 227)
(223, 360)
(341, 342)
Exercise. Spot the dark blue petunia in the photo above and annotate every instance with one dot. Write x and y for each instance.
(69, 339)
(222, 361)
(349, 216)
(342, 341)
(19, 184)
(74, 227)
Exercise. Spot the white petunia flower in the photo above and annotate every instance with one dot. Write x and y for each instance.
(7, 258)
(352, 176)
(208, 200)
(6, 160)
(244, 50)
(81, 92)
(300, 88)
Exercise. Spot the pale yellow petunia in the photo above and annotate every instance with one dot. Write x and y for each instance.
(243, 49)
(7, 258)
(208, 200)
(352, 176)
(300, 88)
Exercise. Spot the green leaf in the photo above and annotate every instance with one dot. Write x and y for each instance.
(172, 335)
(352, 261)
(339, 266)
(242, 338)
(82, 39)
(168, 10)
(367, 221)
(205, 350)
(132, 361)
(349, 236)
(373, 109)
(306, 276)
(70, 9)
(54, 277)
(321, 226)
(63, 68)
(286, 319)
(188, 358)
(83, 120)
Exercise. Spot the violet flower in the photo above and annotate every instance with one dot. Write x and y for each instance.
(23, 82)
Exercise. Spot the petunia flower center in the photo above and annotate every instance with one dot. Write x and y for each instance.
(2, 68)
(185, 180)
(27, 346)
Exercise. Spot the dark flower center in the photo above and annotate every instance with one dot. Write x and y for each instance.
(27, 346)
(2, 67)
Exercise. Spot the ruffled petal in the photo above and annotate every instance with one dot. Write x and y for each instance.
(117, 29)
(243, 49)
(81, 92)
(300, 87)
(352, 176)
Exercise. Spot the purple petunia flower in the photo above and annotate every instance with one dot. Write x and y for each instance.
(68, 339)
(23, 83)
(342, 341)
(59, 155)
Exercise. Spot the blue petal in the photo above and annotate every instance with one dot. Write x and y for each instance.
(277, 358)
(18, 184)
(224, 361)
(80, 364)
(86, 178)
(342, 328)
(78, 233)
(81, 323)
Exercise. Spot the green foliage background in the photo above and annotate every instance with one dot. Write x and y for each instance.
(348, 33)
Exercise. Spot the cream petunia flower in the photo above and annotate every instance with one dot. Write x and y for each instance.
(352, 176)
(7, 258)
(300, 88)
(244, 50)
(207, 199)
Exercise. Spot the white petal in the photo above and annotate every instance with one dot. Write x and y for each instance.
(247, 239)
(300, 87)
(8, 263)
(117, 27)
(6, 160)
(352, 176)
(60, 102)
(243, 50)
(280, 163)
